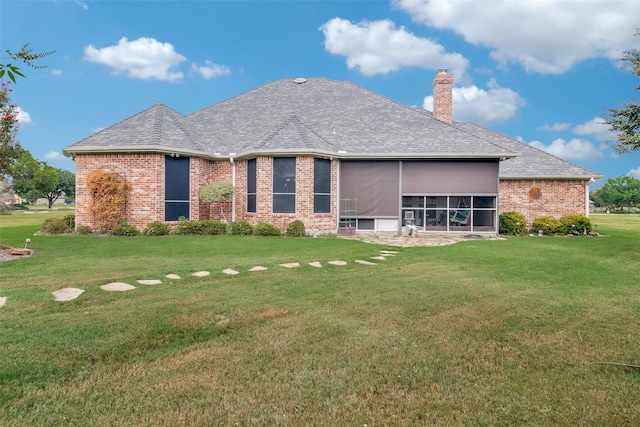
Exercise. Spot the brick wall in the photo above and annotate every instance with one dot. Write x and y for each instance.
(304, 196)
(544, 197)
(144, 174)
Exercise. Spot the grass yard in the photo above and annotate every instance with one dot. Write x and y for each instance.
(504, 332)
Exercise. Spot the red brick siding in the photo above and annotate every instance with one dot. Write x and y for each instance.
(144, 173)
(557, 197)
(304, 196)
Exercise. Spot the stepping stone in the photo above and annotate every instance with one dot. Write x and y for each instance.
(229, 271)
(389, 253)
(361, 261)
(258, 268)
(379, 258)
(172, 276)
(150, 282)
(67, 294)
(200, 273)
(338, 262)
(117, 287)
(3, 301)
(315, 264)
(291, 265)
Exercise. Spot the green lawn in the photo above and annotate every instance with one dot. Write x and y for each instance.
(505, 332)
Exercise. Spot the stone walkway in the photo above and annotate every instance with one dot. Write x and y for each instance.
(387, 239)
(68, 294)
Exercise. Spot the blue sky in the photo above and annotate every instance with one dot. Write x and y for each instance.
(541, 71)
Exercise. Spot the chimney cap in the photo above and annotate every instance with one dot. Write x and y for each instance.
(442, 70)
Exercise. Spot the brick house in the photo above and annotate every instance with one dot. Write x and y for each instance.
(331, 154)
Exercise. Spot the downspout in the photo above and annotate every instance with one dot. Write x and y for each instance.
(400, 185)
(233, 182)
(339, 166)
(586, 196)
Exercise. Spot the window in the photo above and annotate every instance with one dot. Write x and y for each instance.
(451, 213)
(284, 185)
(321, 186)
(251, 185)
(176, 188)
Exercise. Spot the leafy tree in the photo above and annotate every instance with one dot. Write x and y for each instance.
(67, 183)
(33, 179)
(9, 147)
(625, 121)
(620, 191)
(218, 192)
(24, 55)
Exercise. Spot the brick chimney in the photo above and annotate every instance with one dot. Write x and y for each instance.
(442, 96)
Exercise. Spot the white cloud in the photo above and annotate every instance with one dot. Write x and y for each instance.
(56, 72)
(210, 70)
(378, 47)
(544, 36)
(472, 104)
(144, 58)
(82, 5)
(54, 155)
(575, 149)
(23, 117)
(635, 173)
(555, 127)
(596, 128)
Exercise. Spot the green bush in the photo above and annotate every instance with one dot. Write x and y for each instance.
(54, 226)
(241, 228)
(512, 223)
(84, 230)
(124, 229)
(577, 222)
(266, 229)
(188, 227)
(548, 224)
(213, 227)
(156, 228)
(296, 229)
(70, 220)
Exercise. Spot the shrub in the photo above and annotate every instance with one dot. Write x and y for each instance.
(548, 224)
(242, 228)
(296, 229)
(213, 227)
(124, 229)
(156, 228)
(512, 223)
(266, 229)
(577, 222)
(188, 227)
(84, 230)
(70, 220)
(54, 226)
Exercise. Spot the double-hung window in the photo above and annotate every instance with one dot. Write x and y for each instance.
(321, 186)
(251, 185)
(176, 188)
(284, 185)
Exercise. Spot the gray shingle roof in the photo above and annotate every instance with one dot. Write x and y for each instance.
(304, 115)
(321, 117)
(158, 128)
(531, 162)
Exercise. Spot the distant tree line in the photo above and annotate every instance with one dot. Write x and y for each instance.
(616, 193)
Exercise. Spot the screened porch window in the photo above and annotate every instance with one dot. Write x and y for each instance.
(251, 185)
(450, 213)
(284, 185)
(176, 188)
(321, 186)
